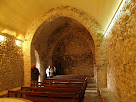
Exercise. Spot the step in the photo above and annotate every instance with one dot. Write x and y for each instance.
(107, 95)
(91, 80)
(92, 85)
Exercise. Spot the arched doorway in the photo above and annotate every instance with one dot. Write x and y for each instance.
(47, 21)
(68, 45)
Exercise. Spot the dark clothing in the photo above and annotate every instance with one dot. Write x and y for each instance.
(55, 72)
(34, 74)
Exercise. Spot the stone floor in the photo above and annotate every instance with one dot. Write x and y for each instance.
(104, 95)
(13, 100)
(91, 94)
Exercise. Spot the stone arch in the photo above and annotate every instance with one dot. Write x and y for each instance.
(77, 30)
(66, 11)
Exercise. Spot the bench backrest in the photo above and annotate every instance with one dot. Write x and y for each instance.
(57, 85)
(31, 95)
(51, 89)
(64, 82)
(71, 76)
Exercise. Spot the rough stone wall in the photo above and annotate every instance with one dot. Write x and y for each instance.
(80, 16)
(33, 59)
(74, 55)
(73, 51)
(121, 54)
(75, 42)
(11, 65)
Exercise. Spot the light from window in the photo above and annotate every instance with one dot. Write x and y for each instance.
(18, 43)
(2, 38)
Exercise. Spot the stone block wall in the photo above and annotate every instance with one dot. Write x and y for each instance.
(11, 64)
(121, 54)
(73, 55)
(78, 15)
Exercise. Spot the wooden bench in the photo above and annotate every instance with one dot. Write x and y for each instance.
(58, 86)
(72, 76)
(64, 88)
(55, 90)
(45, 96)
(64, 81)
(61, 86)
(67, 78)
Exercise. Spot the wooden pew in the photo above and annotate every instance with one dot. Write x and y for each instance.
(62, 86)
(68, 78)
(50, 80)
(58, 86)
(46, 96)
(63, 82)
(51, 89)
(55, 90)
(73, 80)
(72, 76)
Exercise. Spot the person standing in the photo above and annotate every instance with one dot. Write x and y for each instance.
(34, 74)
(51, 72)
(54, 71)
(48, 71)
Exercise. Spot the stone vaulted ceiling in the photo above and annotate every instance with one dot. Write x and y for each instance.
(17, 15)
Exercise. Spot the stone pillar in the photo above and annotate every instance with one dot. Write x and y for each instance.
(27, 63)
(100, 65)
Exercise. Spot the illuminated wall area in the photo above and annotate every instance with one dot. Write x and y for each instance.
(29, 19)
(66, 44)
(92, 37)
(121, 54)
(11, 63)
